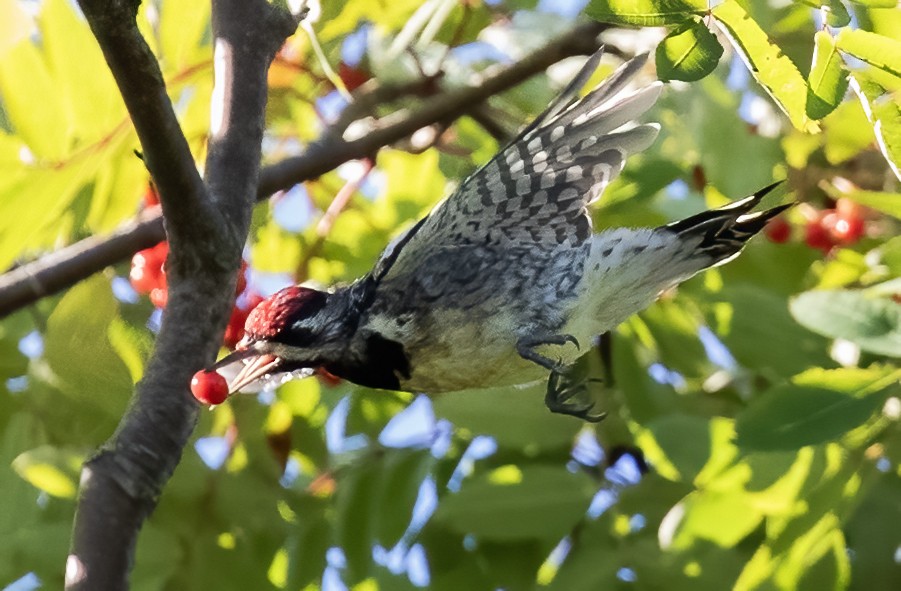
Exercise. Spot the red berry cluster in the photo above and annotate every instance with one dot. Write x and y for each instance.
(843, 225)
(148, 275)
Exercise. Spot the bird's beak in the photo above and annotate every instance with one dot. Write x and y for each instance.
(256, 366)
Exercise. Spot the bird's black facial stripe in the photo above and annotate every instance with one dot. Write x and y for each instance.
(295, 337)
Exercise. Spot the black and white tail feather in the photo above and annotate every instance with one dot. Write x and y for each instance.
(725, 230)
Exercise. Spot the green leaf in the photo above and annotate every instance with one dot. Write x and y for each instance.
(724, 518)
(888, 203)
(876, 3)
(403, 472)
(51, 469)
(516, 417)
(817, 406)
(514, 502)
(689, 53)
(872, 323)
(767, 63)
(648, 13)
(876, 50)
(884, 114)
(44, 131)
(356, 512)
(78, 349)
(683, 448)
(848, 132)
(93, 109)
(828, 79)
(835, 12)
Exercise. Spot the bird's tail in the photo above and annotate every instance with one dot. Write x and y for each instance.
(628, 268)
(721, 233)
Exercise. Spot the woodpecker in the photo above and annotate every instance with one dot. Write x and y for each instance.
(504, 283)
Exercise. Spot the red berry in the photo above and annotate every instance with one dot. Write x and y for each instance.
(242, 279)
(234, 332)
(147, 268)
(209, 387)
(143, 279)
(159, 297)
(817, 235)
(778, 230)
(846, 228)
(151, 197)
(351, 76)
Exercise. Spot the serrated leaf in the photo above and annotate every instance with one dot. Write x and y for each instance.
(836, 14)
(93, 109)
(647, 13)
(25, 82)
(767, 63)
(540, 502)
(872, 323)
(876, 50)
(818, 406)
(884, 114)
(689, 53)
(828, 80)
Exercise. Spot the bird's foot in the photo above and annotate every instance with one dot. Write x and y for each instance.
(526, 349)
(570, 396)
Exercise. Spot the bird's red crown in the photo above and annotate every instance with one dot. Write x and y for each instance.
(275, 313)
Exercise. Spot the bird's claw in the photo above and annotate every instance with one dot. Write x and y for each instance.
(560, 393)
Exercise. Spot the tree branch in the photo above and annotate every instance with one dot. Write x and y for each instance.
(30, 282)
(121, 484)
(140, 81)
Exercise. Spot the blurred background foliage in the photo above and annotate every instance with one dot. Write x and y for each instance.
(752, 440)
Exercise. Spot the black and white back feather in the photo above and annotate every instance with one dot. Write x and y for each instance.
(535, 192)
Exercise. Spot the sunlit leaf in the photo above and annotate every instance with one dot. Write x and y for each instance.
(767, 63)
(828, 79)
(884, 114)
(51, 469)
(819, 406)
(877, 50)
(689, 53)
(834, 11)
(646, 13)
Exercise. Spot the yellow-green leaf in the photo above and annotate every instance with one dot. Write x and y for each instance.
(50, 469)
(876, 50)
(884, 114)
(647, 13)
(689, 53)
(767, 63)
(828, 80)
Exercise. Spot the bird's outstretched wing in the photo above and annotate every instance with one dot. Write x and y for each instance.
(535, 191)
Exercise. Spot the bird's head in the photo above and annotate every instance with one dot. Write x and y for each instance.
(293, 329)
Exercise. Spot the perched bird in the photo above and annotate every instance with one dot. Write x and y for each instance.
(504, 282)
